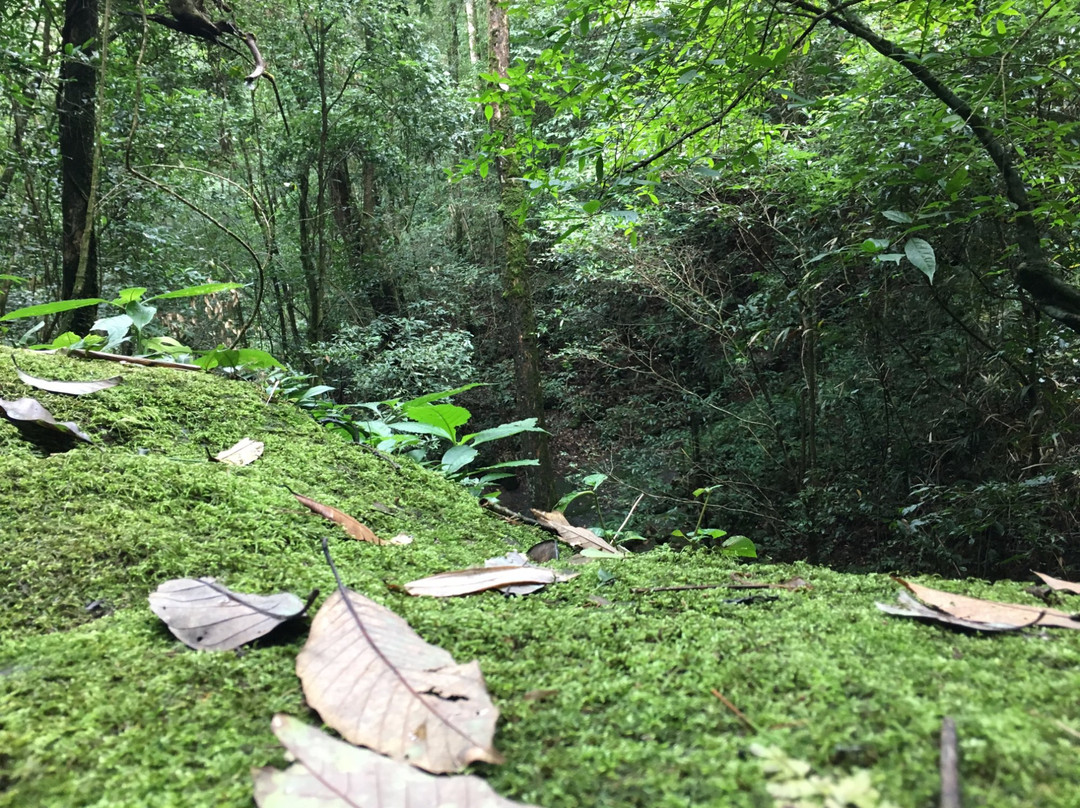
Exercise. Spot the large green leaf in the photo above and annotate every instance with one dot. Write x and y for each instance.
(456, 458)
(52, 308)
(503, 431)
(445, 416)
(193, 291)
(425, 399)
(921, 254)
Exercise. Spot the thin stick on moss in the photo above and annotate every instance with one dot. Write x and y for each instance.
(746, 722)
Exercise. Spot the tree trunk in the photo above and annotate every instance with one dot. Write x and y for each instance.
(470, 24)
(1051, 294)
(517, 290)
(77, 119)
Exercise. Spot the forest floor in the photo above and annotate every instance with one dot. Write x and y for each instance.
(609, 688)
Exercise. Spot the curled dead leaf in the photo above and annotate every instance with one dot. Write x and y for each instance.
(329, 772)
(478, 579)
(37, 424)
(66, 388)
(374, 680)
(207, 616)
(352, 526)
(572, 535)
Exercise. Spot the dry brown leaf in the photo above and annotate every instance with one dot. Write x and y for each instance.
(374, 680)
(988, 611)
(909, 607)
(477, 579)
(37, 424)
(207, 616)
(353, 527)
(330, 773)
(402, 538)
(243, 453)
(1058, 585)
(66, 388)
(572, 535)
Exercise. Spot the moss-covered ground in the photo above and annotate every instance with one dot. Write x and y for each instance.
(604, 691)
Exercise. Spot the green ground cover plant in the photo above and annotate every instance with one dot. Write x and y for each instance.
(604, 682)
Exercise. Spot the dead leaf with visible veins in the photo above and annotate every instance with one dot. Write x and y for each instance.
(992, 614)
(352, 526)
(375, 681)
(1058, 585)
(37, 424)
(66, 388)
(477, 579)
(207, 616)
(243, 453)
(329, 773)
(572, 535)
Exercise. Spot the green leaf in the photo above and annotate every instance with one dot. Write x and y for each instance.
(593, 481)
(502, 431)
(921, 254)
(52, 308)
(116, 329)
(600, 169)
(489, 111)
(413, 402)
(897, 216)
(12, 278)
(739, 546)
(592, 206)
(194, 291)
(445, 416)
(236, 358)
(874, 245)
(140, 313)
(422, 429)
(455, 458)
(564, 503)
(128, 295)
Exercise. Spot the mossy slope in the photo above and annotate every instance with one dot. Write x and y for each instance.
(103, 707)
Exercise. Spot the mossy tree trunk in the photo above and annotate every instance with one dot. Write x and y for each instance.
(77, 114)
(517, 289)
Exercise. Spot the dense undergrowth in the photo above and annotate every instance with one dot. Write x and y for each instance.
(604, 689)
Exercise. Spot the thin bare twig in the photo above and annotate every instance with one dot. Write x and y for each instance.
(950, 765)
(746, 722)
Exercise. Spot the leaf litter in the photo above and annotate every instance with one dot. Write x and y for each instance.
(511, 574)
(975, 613)
(329, 772)
(350, 524)
(207, 616)
(378, 683)
(571, 534)
(66, 388)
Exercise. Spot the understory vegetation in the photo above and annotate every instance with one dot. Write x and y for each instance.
(815, 260)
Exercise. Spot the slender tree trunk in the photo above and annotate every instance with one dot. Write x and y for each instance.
(309, 258)
(470, 25)
(453, 55)
(517, 290)
(77, 118)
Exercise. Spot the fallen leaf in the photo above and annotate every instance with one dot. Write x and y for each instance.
(477, 579)
(991, 612)
(37, 423)
(353, 527)
(332, 774)
(375, 681)
(402, 538)
(207, 616)
(243, 453)
(540, 695)
(1059, 585)
(67, 388)
(909, 607)
(544, 551)
(572, 535)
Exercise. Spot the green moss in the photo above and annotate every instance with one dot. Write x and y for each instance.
(104, 707)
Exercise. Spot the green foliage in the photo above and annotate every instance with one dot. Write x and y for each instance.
(132, 323)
